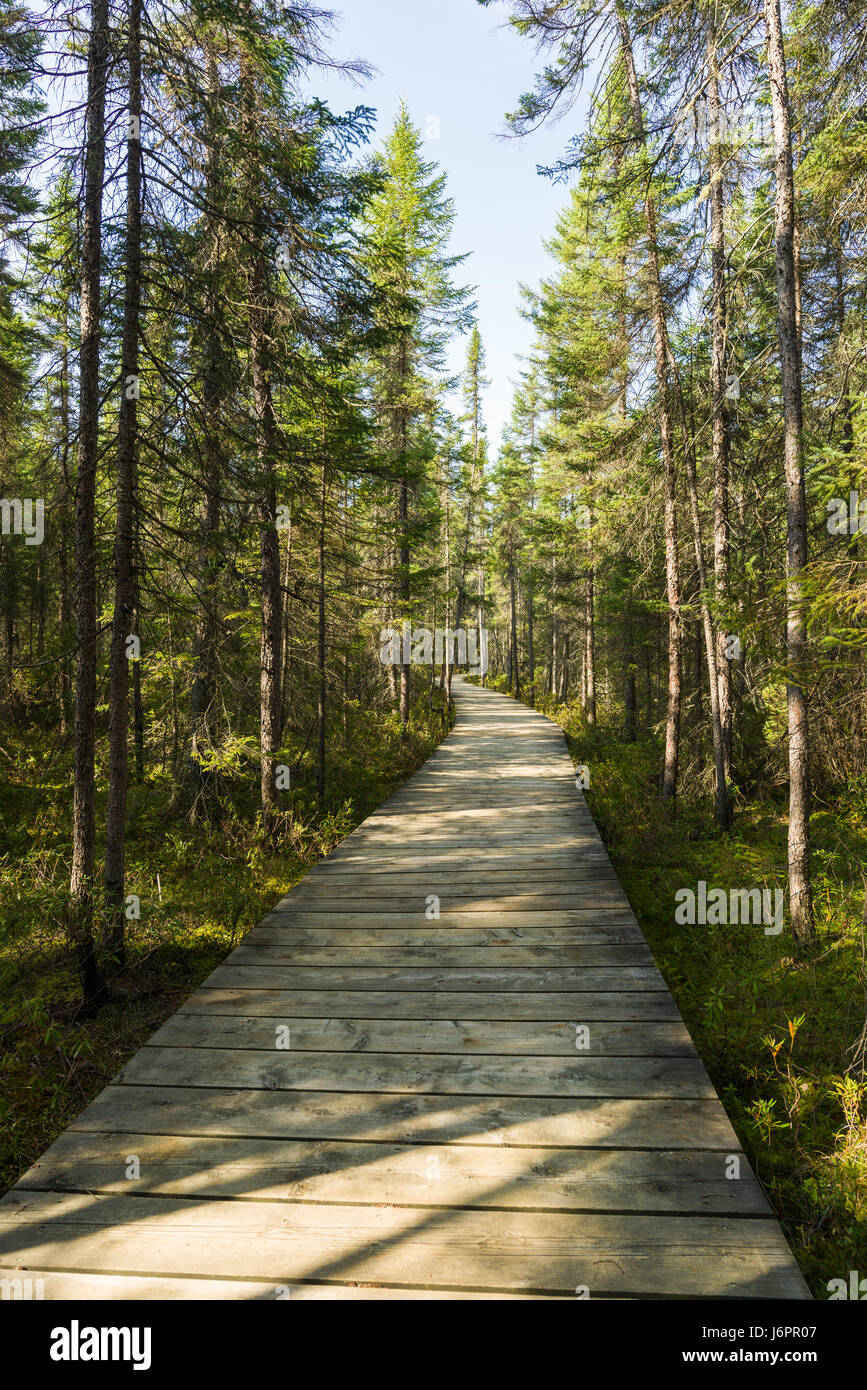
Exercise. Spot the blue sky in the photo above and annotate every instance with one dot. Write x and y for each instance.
(459, 70)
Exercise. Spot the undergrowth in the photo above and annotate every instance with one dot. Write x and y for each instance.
(780, 1030)
(201, 888)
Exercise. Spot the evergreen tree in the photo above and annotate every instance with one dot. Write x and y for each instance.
(408, 223)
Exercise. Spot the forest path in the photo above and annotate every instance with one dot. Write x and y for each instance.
(369, 1101)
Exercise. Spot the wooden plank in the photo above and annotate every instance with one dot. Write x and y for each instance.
(575, 979)
(285, 915)
(54, 1285)
(428, 837)
(420, 1004)
(468, 1037)
(433, 879)
(508, 842)
(540, 1252)
(430, 1175)
(538, 1122)
(333, 933)
(598, 897)
(256, 951)
(340, 862)
(448, 811)
(285, 1070)
(420, 885)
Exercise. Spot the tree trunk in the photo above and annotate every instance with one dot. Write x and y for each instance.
(531, 655)
(285, 705)
(661, 348)
(137, 706)
(722, 801)
(515, 674)
(124, 582)
(271, 630)
(11, 604)
(480, 611)
(40, 607)
(63, 528)
(630, 700)
(589, 650)
(460, 602)
(320, 642)
(81, 880)
(720, 441)
(563, 687)
(271, 655)
(446, 675)
(405, 594)
(404, 587)
(800, 896)
(205, 645)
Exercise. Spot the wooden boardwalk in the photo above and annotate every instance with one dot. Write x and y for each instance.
(369, 1101)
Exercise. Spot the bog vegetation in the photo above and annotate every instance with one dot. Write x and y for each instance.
(232, 460)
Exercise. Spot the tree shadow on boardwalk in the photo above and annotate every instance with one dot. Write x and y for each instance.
(497, 1245)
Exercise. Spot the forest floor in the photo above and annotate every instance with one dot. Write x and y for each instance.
(201, 888)
(780, 1031)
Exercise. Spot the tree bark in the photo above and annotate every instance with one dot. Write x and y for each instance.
(722, 801)
(285, 704)
(800, 894)
(515, 674)
(720, 439)
(446, 673)
(405, 593)
(137, 703)
(563, 686)
(83, 834)
(320, 642)
(404, 586)
(669, 466)
(630, 698)
(124, 582)
(590, 649)
(261, 317)
(531, 655)
(63, 525)
(460, 602)
(205, 644)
